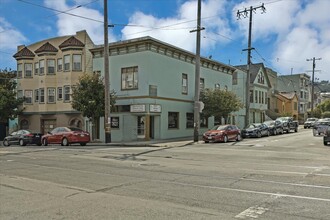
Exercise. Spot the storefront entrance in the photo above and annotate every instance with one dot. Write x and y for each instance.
(145, 127)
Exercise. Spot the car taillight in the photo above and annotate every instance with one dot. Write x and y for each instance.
(28, 135)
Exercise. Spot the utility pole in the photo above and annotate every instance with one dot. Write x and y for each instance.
(312, 98)
(248, 13)
(197, 72)
(107, 127)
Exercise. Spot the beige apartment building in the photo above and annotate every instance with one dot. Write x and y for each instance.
(46, 72)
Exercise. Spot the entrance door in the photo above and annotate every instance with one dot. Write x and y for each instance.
(141, 127)
(47, 125)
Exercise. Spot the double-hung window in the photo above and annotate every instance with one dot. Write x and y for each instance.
(42, 95)
(28, 96)
(67, 93)
(67, 63)
(51, 95)
(59, 64)
(76, 62)
(51, 66)
(19, 70)
(41, 67)
(36, 68)
(28, 70)
(59, 93)
(36, 95)
(129, 78)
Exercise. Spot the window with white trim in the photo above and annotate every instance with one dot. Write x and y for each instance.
(129, 78)
(28, 96)
(41, 67)
(59, 93)
(28, 70)
(67, 63)
(66, 93)
(19, 70)
(36, 95)
(76, 66)
(36, 68)
(51, 95)
(51, 66)
(59, 64)
(42, 95)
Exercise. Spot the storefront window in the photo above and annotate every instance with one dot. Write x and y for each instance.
(173, 120)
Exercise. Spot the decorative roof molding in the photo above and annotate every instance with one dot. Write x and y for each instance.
(46, 48)
(71, 42)
(157, 46)
(24, 53)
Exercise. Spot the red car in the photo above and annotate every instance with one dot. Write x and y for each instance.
(66, 136)
(222, 133)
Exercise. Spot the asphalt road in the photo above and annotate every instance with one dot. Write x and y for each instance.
(278, 177)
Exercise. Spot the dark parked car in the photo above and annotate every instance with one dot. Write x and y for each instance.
(256, 130)
(320, 126)
(326, 137)
(309, 123)
(23, 137)
(66, 136)
(222, 133)
(288, 124)
(275, 127)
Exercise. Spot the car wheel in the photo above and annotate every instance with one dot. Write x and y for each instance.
(238, 138)
(21, 142)
(6, 143)
(225, 139)
(44, 142)
(65, 142)
(296, 130)
(82, 144)
(206, 142)
(275, 132)
(325, 143)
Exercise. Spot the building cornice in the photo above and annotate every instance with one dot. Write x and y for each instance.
(154, 45)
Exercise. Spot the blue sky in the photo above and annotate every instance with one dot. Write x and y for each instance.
(290, 31)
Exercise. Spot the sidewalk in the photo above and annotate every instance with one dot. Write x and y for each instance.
(174, 142)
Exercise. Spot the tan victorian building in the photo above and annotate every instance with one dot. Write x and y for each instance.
(46, 72)
(287, 104)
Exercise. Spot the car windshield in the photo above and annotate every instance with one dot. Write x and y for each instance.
(311, 119)
(219, 127)
(283, 119)
(74, 129)
(269, 123)
(253, 125)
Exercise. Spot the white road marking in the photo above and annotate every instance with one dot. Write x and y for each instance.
(252, 212)
(248, 191)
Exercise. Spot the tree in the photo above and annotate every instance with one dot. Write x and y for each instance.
(88, 97)
(219, 103)
(10, 106)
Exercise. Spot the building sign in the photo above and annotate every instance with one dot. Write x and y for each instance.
(114, 122)
(155, 108)
(138, 108)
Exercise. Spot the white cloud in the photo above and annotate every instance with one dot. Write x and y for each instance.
(309, 38)
(9, 36)
(68, 24)
(176, 29)
(277, 18)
